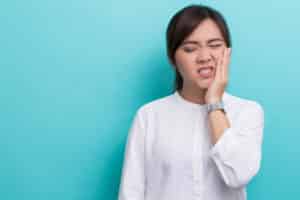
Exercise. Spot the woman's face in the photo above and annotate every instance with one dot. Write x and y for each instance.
(198, 50)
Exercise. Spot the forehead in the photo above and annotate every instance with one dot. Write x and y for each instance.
(205, 31)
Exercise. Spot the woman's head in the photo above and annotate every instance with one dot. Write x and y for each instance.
(195, 36)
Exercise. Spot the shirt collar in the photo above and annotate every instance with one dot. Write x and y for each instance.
(193, 105)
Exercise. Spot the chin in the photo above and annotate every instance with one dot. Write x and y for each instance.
(204, 84)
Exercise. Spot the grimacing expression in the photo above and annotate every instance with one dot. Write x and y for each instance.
(198, 50)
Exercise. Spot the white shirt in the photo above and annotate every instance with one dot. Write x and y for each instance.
(169, 154)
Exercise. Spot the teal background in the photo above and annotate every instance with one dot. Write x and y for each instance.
(73, 73)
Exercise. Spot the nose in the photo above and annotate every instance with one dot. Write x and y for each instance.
(203, 56)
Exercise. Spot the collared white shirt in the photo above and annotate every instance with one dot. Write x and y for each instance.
(169, 154)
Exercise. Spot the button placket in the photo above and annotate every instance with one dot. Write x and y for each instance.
(197, 159)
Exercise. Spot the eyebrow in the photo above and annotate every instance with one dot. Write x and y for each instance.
(196, 42)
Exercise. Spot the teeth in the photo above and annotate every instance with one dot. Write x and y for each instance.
(205, 71)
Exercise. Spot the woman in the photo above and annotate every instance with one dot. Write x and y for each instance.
(200, 142)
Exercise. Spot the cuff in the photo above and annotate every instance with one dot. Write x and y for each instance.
(222, 147)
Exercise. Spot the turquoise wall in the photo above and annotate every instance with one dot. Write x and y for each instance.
(73, 73)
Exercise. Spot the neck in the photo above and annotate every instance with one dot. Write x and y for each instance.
(194, 95)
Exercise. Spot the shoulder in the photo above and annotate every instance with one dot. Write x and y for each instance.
(234, 102)
(157, 105)
(240, 106)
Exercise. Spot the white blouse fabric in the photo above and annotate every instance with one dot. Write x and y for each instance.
(169, 154)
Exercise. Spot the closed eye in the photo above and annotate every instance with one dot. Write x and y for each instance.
(215, 46)
(186, 49)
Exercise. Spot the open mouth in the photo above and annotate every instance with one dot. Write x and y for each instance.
(206, 72)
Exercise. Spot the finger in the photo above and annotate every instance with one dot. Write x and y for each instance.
(226, 64)
(216, 61)
(218, 69)
(221, 64)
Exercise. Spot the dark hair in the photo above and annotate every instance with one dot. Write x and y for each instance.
(183, 24)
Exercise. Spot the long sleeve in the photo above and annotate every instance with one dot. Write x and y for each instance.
(132, 184)
(237, 153)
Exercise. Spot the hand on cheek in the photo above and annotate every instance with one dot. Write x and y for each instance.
(217, 87)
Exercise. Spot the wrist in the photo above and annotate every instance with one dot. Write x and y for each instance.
(215, 106)
(213, 100)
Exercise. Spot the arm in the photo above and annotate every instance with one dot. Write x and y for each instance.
(133, 179)
(237, 147)
(218, 122)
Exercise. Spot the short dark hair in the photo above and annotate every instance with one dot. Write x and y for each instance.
(183, 23)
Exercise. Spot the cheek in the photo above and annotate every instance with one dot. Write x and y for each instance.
(184, 64)
(217, 53)
(184, 60)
